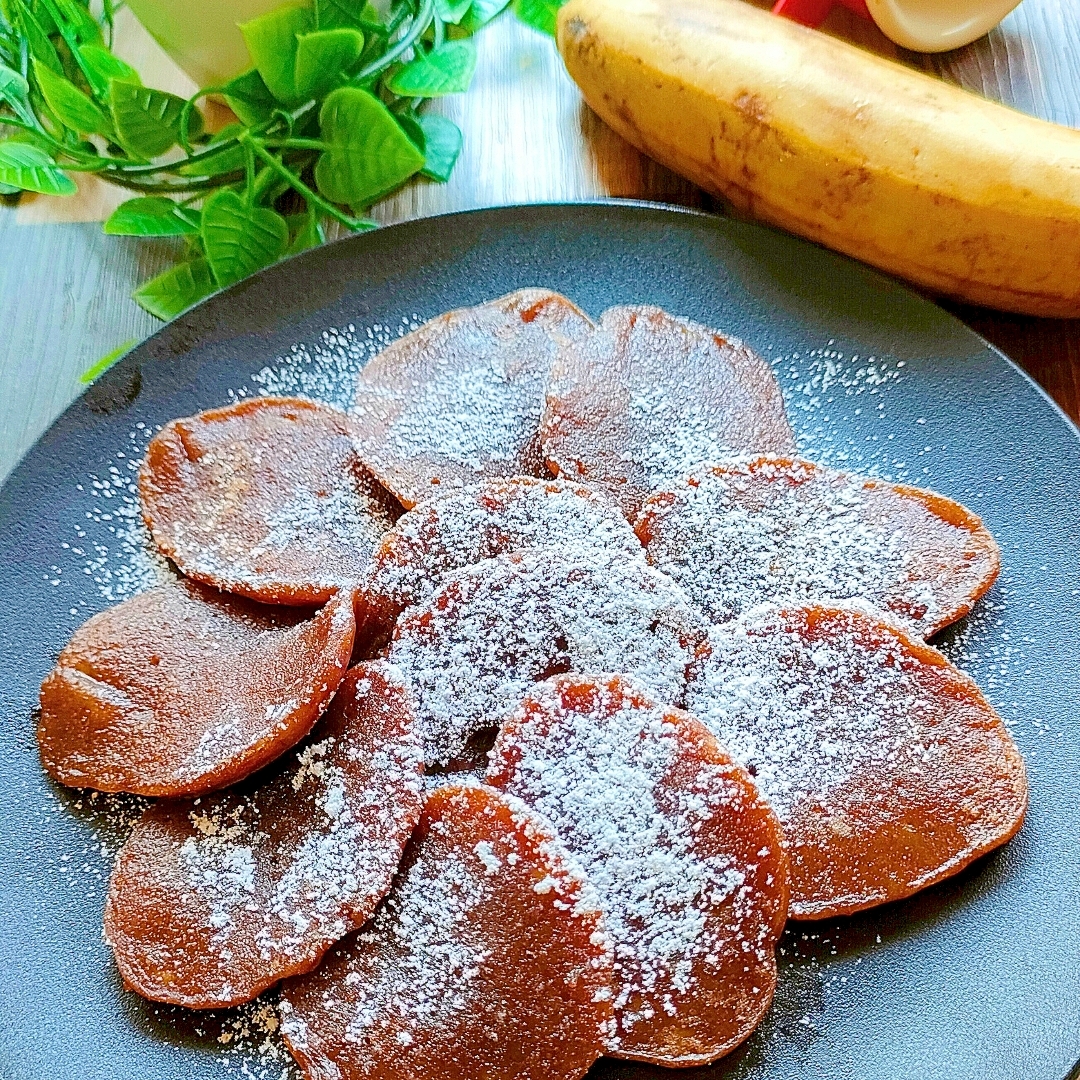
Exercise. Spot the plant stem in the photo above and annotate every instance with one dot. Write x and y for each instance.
(294, 181)
(185, 115)
(297, 144)
(215, 148)
(419, 25)
(149, 187)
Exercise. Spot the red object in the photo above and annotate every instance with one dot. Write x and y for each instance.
(815, 12)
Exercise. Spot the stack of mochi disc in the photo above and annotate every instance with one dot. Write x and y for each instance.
(503, 721)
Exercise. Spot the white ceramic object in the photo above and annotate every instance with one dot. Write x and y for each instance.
(937, 25)
(202, 35)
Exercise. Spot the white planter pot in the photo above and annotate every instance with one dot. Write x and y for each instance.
(202, 35)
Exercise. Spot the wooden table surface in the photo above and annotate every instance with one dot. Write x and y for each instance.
(65, 288)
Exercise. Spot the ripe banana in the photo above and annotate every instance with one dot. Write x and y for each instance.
(958, 194)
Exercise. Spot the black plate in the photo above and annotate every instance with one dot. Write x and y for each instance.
(974, 979)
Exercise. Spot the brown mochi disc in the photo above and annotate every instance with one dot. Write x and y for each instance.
(887, 767)
(648, 396)
(487, 961)
(212, 901)
(182, 690)
(685, 856)
(459, 399)
(741, 533)
(453, 530)
(266, 498)
(493, 629)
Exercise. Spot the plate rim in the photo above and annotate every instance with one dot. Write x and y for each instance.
(629, 207)
(358, 239)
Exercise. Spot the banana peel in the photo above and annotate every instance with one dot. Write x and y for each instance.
(958, 194)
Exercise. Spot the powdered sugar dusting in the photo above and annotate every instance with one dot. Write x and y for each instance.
(266, 497)
(429, 918)
(677, 433)
(598, 774)
(327, 370)
(647, 396)
(474, 417)
(451, 531)
(805, 718)
(278, 874)
(461, 398)
(432, 960)
(497, 627)
(743, 533)
(840, 407)
(123, 561)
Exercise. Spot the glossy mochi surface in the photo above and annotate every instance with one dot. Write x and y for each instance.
(487, 961)
(266, 498)
(740, 533)
(460, 399)
(212, 901)
(685, 855)
(182, 690)
(887, 767)
(494, 629)
(648, 396)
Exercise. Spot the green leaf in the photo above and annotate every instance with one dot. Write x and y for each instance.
(250, 98)
(100, 66)
(359, 14)
(175, 290)
(442, 144)
(451, 11)
(147, 121)
(29, 168)
(41, 12)
(72, 107)
(480, 14)
(75, 23)
(539, 14)
(107, 361)
(323, 59)
(371, 155)
(37, 41)
(410, 124)
(309, 232)
(153, 215)
(15, 90)
(240, 239)
(445, 70)
(271, 41)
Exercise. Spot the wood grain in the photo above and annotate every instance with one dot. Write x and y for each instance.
(65, 289)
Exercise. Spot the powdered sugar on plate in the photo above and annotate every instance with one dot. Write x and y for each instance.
(327, 371)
